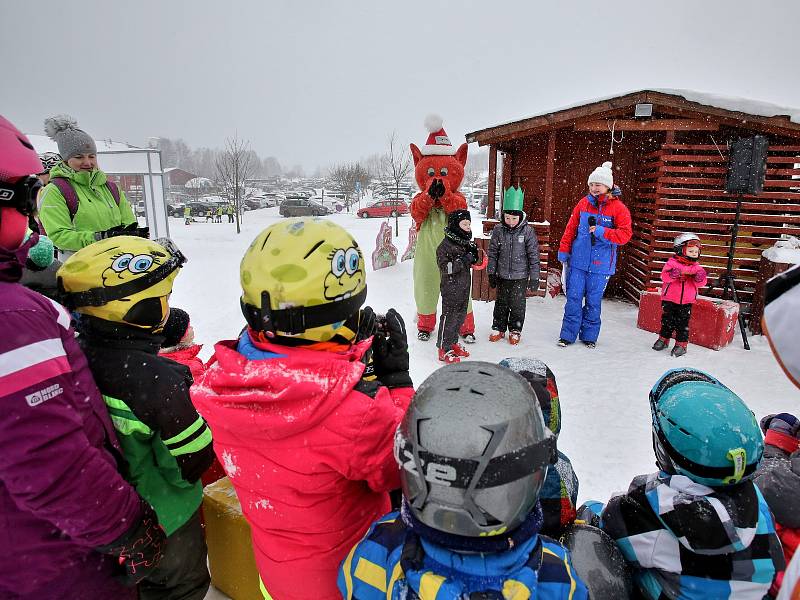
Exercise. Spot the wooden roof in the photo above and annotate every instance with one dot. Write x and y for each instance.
(663, 104)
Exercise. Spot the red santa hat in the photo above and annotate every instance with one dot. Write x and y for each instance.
(438, 143)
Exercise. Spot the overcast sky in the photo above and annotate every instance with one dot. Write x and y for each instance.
(319, 82)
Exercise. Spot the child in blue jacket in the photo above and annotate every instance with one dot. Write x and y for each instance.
(467, 527)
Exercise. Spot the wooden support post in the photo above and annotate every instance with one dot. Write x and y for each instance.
(547, 208)
(492, 183)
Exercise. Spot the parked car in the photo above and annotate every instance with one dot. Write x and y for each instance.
(302, 207)
(199, 209)
(390, 207)
(176, 209)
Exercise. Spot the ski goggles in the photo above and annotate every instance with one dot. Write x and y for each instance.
(20, 195)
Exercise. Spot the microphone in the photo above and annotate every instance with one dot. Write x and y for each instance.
(592, 223)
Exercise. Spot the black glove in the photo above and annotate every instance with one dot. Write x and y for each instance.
(134, 229)
(367, 324)
(436, 189)
(467, 259)
(139, 549)
(492, 280)
(533, 285)
(111, 232)
(390, 354)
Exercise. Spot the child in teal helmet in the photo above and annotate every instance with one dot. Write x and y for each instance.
(698, 527)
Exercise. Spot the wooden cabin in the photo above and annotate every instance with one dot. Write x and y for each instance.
(670, 155)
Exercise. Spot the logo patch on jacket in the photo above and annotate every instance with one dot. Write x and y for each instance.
(37, 398)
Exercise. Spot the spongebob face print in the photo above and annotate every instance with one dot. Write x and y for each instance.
(346, 275)
(126, 266)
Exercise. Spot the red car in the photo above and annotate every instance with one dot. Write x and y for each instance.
(390, 207)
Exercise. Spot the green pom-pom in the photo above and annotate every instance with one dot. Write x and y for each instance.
(42, 253)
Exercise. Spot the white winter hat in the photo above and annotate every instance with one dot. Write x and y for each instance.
(603, 174)
(438, 143)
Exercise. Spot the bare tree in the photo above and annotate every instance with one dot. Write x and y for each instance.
(234, 166)
(396, 167)
(345, 176)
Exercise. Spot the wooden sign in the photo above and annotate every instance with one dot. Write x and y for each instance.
(412, 242)
(385, 254)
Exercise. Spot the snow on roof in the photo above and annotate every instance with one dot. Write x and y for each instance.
(42, 143)
(752, 107)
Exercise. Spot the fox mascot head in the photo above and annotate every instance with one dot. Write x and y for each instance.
(438, 170)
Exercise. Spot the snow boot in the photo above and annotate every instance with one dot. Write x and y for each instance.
(468, 338)
(589, 344)
(513, 337)
(467, 330)
(660, 344)
(496, 336)
(459, 350)
(562, 343)
(448, 357)
(679, 349)
(423, 335)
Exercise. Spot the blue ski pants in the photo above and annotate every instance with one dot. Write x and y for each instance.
(582, 311)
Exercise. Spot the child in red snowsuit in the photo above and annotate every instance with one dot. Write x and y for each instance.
(303, 419)
(178, 344)
(682, 277)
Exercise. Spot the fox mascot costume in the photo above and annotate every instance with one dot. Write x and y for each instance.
(438, 169)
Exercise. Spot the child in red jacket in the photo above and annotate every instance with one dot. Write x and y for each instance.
(178, 344)
(305, 403)
(682, 277)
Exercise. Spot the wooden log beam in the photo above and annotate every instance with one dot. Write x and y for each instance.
(548, 179)
(651, 125)
(492, 183)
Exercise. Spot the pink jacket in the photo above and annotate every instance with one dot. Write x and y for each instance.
(308, 447)
(188, 357)
(682, 281)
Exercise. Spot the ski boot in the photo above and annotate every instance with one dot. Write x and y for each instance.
(562, 343)
(423, 336)
(459, 350)
(513, 337)
(496, 336)
(589, 344)
(448, 357)
(468, 338)
(679, 349)
(660, 344)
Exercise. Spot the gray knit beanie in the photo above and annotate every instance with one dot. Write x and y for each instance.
(63, 130)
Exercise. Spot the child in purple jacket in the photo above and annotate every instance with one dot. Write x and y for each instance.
(682, 277)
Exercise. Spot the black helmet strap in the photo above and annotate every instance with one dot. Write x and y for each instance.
(297, 319)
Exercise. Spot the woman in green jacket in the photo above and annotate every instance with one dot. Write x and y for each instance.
(80, 205)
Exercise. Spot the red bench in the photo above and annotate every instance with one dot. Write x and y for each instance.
(713, 323)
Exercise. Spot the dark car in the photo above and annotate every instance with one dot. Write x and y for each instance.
(302, 207)
(200, 209)
(391, 207)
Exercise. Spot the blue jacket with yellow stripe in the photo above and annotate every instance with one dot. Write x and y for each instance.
(392, 562)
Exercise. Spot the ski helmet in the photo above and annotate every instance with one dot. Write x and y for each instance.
(49, 160)
(473, 450)
(543, 381)
(781, 307)
(702, 430)
(682, 240)
(123, 279)
(302, 276)
(18, 165)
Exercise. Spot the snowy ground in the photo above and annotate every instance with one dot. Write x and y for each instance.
(606, 418)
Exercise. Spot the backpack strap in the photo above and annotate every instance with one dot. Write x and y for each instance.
(69, 193)
(114, 189)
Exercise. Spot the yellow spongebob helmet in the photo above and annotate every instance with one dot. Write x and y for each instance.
(302, 276)
(123, 279)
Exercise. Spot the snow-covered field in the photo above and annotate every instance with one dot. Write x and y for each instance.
(606, 418)
(606, 429)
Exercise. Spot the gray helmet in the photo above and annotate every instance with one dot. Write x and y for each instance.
(474, 450)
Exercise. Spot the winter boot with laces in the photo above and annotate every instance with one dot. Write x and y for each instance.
(513, 337)
(679, 349)
(459, 350)
(562, 343)
(448, 356)
(660, 344)
(423, 336)
(468, 338)
(496, 335)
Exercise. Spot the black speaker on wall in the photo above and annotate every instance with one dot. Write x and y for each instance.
(747, 165)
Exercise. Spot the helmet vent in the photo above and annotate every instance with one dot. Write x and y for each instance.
(264, 243)
(486, 373)
(476, 392)
(25, 143)
(455, 389)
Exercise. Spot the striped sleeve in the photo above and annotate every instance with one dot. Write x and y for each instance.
(48, 464)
